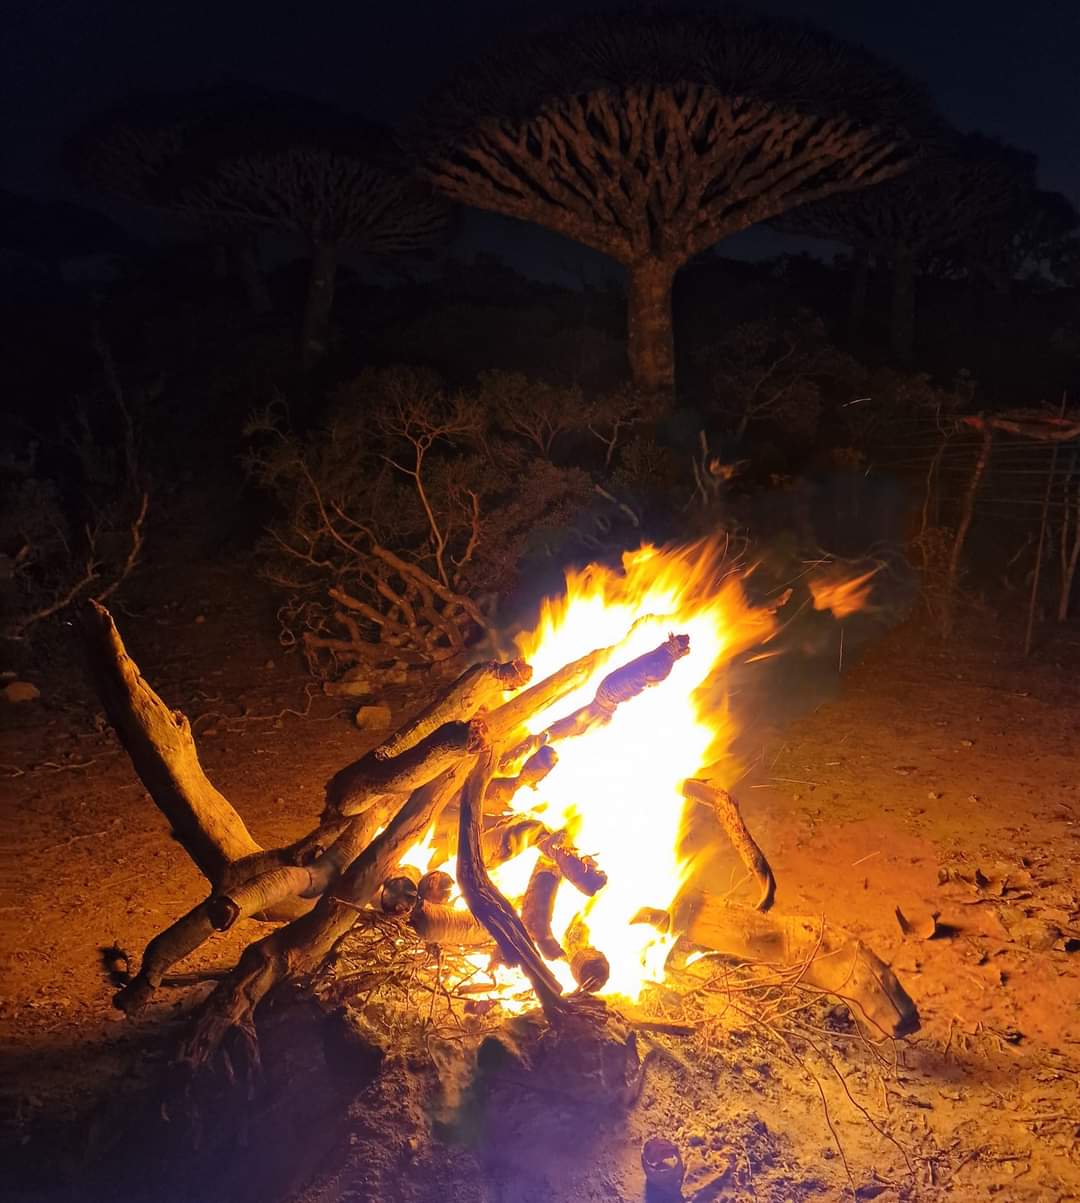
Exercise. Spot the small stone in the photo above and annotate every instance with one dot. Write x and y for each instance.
(21, 691)
(347, 689)
(372, 718)
(933, 795)
(269, 664)
(967, 743)
(200, 618)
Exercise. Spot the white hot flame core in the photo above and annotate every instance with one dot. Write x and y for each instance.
(618, 787)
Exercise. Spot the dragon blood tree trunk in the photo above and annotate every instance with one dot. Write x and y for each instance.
(860, 280)
(903, 305)
(651, 343)
(320, 299)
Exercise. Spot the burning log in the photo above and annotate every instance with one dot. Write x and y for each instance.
(504, 840)
(358, 785)
(823, 956)
(589, 966)
(620, 686)
(538, 908)
(513, 714)
(727, 811)
(531, 773)
(436, 887)
(437, 923)
(465, 698)
(488, 905)
(582, 872)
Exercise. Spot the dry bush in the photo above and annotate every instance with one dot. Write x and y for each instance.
(74, 530)
(776, 371)
(404, 518)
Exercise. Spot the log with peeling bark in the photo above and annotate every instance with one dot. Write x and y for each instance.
(817, 954)
(538, 907)
(438, 923)
(359, 785)
(730, 817)
(488, 905)
(262, 891)
(162, 751)
(300, 947)
(469, 694)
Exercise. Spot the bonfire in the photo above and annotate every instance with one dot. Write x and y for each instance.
(529, 823)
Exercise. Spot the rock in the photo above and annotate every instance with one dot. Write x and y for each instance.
(372, 718)
(1036, 934)
(269, 664)
(21, 691)
(200, 617)
(346, 688)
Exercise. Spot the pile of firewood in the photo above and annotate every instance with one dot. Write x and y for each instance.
(452, 768)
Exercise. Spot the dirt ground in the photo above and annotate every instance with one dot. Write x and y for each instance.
(939, 780)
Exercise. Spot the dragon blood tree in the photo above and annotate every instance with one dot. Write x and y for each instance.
(650, 137)
(953, 201)
(238, 162)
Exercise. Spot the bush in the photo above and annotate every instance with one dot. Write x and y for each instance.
(404, 518)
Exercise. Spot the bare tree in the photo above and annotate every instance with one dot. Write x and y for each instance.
(651, 137)
(957, 191)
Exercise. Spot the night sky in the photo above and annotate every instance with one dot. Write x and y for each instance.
(1009, 70)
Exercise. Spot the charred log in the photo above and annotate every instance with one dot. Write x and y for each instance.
(538, 908)
(589, 965)
(502, 789)
(488, 905)
(436, 887)
(582, 872)
(399, 894)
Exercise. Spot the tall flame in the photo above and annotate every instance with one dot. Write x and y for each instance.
(618, 787)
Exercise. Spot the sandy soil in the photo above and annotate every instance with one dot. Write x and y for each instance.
(938, 781)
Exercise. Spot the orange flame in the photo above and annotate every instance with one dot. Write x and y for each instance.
(842, 597)
(618, 788)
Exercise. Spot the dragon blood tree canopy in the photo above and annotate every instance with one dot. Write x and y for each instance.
(651, 136)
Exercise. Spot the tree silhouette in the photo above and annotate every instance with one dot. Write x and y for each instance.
(237, 160)
(958, 190)
(652, 136)
(1035, 237)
